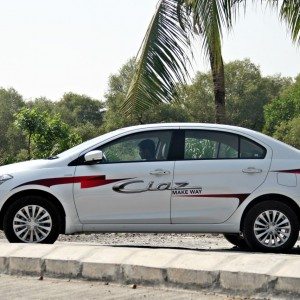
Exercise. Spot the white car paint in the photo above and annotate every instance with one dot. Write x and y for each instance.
(101, 209)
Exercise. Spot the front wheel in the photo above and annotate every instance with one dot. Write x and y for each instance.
(32, 219)
(271, 226)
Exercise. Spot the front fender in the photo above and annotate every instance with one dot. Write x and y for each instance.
(63, 195)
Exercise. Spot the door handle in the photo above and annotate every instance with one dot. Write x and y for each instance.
(160, 172)
(252, 170)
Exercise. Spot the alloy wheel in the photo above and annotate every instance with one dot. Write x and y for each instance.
(32, 224)
(272, 228)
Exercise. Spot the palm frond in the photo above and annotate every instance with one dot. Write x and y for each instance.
(210, 17)
(163, 60)
(289, 12)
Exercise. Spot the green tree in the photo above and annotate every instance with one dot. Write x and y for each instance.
(247, 93)
(54, 138)
(197, 99)
(289, 132)
(43, 104)
(46, 134)
(31, 122)
(87, 131)
(117, 89)
(163, 58)
(82, 113)
(76, 110)
(284, 108)
(11, 140)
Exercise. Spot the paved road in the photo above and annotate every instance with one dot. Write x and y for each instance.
(12, 287)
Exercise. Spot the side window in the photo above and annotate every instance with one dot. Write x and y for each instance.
(144, 146)
(205, 144)
(250, 149)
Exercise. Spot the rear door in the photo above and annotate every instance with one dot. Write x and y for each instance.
(217, 171)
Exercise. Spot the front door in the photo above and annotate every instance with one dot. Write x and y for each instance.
(131, 184)
(217, 172)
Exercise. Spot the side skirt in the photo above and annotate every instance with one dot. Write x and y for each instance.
(163, 228)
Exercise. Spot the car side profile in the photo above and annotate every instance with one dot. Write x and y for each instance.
(177, 177)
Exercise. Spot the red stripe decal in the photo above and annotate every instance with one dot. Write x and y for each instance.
(94, 181)
(85, 181)
(296, 171)
(241, 197)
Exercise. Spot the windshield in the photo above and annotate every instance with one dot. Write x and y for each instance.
(88, 144)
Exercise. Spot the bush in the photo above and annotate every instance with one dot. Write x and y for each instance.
(289, 132)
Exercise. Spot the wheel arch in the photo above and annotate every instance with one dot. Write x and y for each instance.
(35, 192)
(278, 197)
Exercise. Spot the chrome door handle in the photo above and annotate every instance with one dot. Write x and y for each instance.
(252, 170)
(160, 172)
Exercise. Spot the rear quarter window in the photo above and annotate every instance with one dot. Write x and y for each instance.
(251, 150)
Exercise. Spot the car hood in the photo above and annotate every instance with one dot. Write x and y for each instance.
(24, 166)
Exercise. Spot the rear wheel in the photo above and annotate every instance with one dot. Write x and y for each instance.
(271, 226)
(32, 219)
(236, 240)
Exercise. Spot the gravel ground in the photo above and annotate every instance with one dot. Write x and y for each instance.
(171, 240)
(160, 240)
(192, 241)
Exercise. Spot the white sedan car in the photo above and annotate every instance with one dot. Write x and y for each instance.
(177, 177)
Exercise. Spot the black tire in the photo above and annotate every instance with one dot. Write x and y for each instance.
(54, 228)
(236, 240)
(289, 216)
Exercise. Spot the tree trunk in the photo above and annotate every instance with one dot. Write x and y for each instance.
(29, 146)
(219, 88)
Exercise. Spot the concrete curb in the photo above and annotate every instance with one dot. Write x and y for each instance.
(237, 272)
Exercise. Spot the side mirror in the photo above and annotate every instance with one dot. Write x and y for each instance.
(93, 156)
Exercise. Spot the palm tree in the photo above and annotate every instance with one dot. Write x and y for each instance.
(164, 58)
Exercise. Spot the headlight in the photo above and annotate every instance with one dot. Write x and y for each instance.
(5, 177)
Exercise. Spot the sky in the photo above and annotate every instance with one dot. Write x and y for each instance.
(52, 47)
